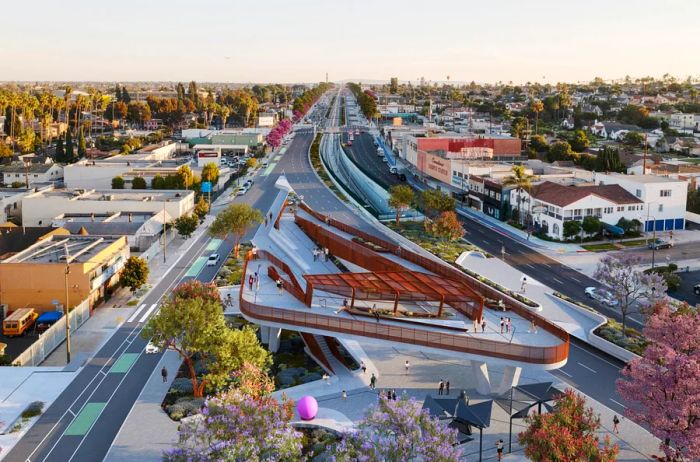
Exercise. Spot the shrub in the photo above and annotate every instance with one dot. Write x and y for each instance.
(182, 386)
(631, 340)
(34, 409)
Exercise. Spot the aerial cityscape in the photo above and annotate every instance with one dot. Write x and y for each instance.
(350, 231)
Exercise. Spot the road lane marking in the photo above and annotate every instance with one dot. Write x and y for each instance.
(586, 367)
(124, 363)
(595, 356)
(565, 373)
(214, 244)
(136, 313)
(618, 403)
(85, 419)
(560, 282)
(148, 312)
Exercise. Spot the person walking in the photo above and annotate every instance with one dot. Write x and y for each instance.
(363, 367)
(326, 378)
(523, 284)
(373, 381)
(483, 325)
(250, 282)
(616, 423)
(407, 366)
(344, 395)
(257, 284)
(164, 374)
(503, 324)
(509, 324)
(325, 253)
(315, 253)
(447, 387)
(441, 387)
(533, 326)
(393, 394)
(279, 286)
(499, 449)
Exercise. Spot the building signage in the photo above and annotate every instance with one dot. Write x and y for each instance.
(475, 153)
(208, 154)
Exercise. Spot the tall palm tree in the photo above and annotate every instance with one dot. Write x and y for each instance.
(537, 107)
(521, 181)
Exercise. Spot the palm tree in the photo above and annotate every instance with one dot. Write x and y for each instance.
(537, 107)
(521, 181)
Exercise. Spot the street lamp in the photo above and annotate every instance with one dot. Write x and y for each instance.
(65, 307)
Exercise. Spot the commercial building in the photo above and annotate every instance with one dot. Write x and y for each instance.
(40, 208)
(36, 277)
(664, 198)
(247, 137)
(11, 203)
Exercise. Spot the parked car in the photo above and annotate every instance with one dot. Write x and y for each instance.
(213, 259)
(601, 295)
(660, 244)
(242, 190)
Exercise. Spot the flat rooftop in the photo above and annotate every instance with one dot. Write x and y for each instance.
(118, 217)
(116, 195)
(80, 249)
(646, 179)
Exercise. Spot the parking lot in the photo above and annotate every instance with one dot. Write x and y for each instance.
(16, 345)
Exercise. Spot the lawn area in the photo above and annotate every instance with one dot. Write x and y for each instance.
(414, 231)
(600, 247)
(634, 243)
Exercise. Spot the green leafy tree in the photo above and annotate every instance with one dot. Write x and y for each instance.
(186, 225)
(196, 328)
(134, 274)
(567, 434)
(117, 182)
(194, 288)
(5, 150)
(592, 225)
(561, 150)
(138, 182)
(158, 182)
(579, 142)
(539, 143)
(446, 227)
(236, 219)
(186, 177)
(251, 163)
(70, 154)
(201, 208)
(394, 85)
(82, 144)
(518, 127)
(633, 139)
(60, 155)
(434, 202)
(608, 160)
(537, 106)
(400, 198)
(571, 228)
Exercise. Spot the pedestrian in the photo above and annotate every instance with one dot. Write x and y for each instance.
(164, 374)
(447, 387)
(616, 423)
(344, 395)
(279, 286)
(509, 324)
(257, 284)
(533, 327)
(503, 324)
(483, 325)
(326, 378)
(373, 381)
(250, 282)
(325, 253)
(528, 235)
(523, 283)
(363, 367)
(441, 387)
(266, 222)
(393, 394)
(270, 216)
(499, 449)
(407, 365)
(315, 252)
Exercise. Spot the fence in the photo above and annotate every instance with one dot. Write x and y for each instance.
(53, 337)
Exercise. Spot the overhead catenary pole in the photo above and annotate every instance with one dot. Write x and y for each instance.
(66, 312)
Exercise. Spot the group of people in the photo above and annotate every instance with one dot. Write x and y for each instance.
(254, 279)
(389, 394)
(320, 253)
(444, 387)
(480, 323)
(506, 325)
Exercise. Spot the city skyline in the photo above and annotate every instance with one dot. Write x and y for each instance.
(282, 43)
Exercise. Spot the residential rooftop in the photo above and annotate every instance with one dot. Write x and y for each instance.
(647, 179)
(557, 194)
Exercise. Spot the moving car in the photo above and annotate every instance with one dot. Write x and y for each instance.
(660, 244)
(152, 349)
(213, 259)
(601, 295)
(265, 164)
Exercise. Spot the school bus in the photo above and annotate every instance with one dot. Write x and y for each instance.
(19, 322)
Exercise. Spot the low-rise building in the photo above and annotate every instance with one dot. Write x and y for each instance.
(40, 208)
(60, 268)
(31, 173)
(11, 203)
(682, 122)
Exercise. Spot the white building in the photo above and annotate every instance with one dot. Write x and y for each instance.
(40, 208)
(664, 198)
(551, 204)
(98, 174)
(31, 173)
(11, 203)
(682, 122)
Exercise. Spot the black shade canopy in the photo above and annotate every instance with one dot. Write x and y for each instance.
(478, 415)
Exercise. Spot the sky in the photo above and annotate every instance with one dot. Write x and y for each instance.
(290, 41)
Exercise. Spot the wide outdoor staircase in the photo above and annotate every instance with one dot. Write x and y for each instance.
(328, 357)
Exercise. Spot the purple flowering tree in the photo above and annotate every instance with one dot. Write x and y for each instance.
(630, 287)
(235, 426)
(398, 430)
(662, 386)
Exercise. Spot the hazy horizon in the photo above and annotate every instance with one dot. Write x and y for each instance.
(280, 42)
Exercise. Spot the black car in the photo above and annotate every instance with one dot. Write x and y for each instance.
(696, 289)
(659, 244)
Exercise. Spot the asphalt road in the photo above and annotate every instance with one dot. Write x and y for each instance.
(363, 152)
(684, 251)
(685, 292)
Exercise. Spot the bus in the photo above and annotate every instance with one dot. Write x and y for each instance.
(19, 322)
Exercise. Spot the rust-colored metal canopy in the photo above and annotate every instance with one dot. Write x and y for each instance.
(391, 285)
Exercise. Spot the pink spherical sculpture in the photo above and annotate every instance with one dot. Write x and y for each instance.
(307, 407)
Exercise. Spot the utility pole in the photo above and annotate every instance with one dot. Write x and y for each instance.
(66, 313)
(644, 163)
(165, 234)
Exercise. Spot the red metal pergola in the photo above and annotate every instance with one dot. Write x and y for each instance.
(394, 285)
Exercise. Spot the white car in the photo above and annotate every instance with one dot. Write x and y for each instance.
(242, 191)
(213, 259)
(601, 295)
(152, 349)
